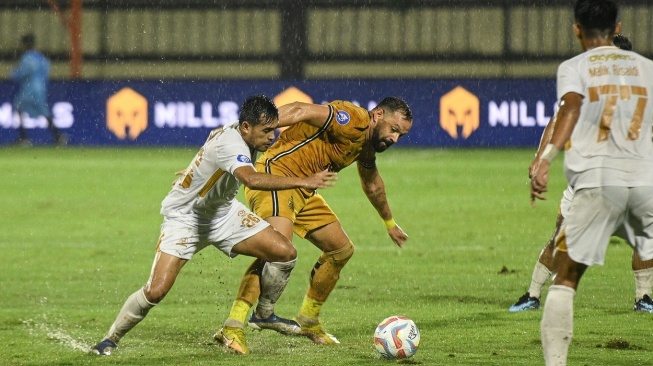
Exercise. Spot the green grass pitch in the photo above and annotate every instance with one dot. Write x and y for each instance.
(79, 227)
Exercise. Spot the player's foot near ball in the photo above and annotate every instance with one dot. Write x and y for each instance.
(314, 330)
(276, 323)
(104, 348)
(233, 339)
(526, 302)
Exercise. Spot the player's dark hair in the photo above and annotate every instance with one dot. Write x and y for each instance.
(28, 40)
(622, 42)
(394, 104)
(258, 109)
(596, 17)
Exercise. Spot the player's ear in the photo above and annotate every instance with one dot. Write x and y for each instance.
(617, 29)
(577, 31)
(245, 127)
(378, 112)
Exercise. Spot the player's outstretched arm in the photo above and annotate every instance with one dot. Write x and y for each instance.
(313, 114)
(248, 176)
(374, 189)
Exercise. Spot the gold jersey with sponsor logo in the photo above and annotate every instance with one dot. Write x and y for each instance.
(303, 150)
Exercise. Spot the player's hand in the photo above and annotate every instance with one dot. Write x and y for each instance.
(532, 167)
(398, 235)
(323, 179)
(539, 181)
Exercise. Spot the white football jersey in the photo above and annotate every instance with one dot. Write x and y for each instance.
(208, 186)
(611, 143)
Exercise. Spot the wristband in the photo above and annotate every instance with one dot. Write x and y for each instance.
(549, 153)
(390, 223)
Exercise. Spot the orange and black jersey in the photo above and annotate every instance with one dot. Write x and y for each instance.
(303, 150)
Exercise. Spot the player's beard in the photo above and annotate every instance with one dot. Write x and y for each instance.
(379, 144)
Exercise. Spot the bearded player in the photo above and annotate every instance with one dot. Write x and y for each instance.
(331, 136)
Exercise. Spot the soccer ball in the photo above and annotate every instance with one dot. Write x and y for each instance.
(396, 337)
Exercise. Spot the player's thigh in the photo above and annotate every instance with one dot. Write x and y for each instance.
(315, 217)
(640, 218)
(329, 237)
(282, 224)
(268, 245)
(226, 232)
(594, 215)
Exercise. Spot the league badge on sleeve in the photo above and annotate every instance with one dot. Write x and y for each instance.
(243, 159)
(342, 117)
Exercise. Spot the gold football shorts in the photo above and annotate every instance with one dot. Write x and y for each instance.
(308, 211)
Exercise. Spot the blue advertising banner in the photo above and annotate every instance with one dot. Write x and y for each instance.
(447, 113)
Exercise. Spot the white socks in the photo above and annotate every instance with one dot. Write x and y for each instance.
(643, 282)
(557, 324)
(274, 279)
(133, 311)
(541, 274)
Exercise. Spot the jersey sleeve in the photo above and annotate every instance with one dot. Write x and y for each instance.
(569, 80)
(349, 122)
(232, 154)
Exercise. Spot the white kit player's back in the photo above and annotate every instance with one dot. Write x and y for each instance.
(613, 131)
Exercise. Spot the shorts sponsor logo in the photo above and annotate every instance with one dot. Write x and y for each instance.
(459, 113)
(127, 114)
(243, 159)
(342, 117)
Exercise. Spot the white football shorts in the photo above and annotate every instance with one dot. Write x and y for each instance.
(596, 213)
(184, 235)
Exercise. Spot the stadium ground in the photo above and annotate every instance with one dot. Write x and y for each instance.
(79, 228)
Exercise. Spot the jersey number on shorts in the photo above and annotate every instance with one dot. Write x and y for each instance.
(249, 220)
(614, 94)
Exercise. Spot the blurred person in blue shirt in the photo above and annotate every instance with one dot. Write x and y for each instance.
(32, 76)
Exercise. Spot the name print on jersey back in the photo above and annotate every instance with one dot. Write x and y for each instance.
(615, 115)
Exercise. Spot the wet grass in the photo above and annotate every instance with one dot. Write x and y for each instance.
(79, 228)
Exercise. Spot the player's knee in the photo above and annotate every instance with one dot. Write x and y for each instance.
(342, 255)
(155, 294)
(285, 252)
(287, 255)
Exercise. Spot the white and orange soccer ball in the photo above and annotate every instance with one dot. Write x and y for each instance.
(396, 337)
